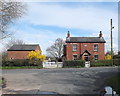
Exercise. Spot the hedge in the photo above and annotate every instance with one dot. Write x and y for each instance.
(67, 63)
(74, 63)
(114, 62)
(98, 63)
(21, 62)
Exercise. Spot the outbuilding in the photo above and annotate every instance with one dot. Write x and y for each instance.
(21, 51)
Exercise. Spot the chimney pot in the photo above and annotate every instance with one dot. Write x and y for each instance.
(68, 34)
(100, 35)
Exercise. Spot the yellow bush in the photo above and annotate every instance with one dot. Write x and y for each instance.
(36, 55)
(108, 57)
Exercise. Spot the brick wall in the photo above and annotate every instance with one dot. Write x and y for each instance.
(84, 46)
(19, 54)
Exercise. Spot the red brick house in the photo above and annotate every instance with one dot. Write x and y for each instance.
(85, 48)
(21, 51)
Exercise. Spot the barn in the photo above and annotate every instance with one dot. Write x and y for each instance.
(21, 51)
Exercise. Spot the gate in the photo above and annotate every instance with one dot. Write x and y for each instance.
(52, 64)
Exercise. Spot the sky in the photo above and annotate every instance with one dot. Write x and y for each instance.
(44, 22)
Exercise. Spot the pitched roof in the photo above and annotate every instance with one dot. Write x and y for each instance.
(85, 51)
(24, 47)
(85, 40)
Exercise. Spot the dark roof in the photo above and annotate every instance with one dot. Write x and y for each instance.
(85, 51)
(85, 40)
(25, 47)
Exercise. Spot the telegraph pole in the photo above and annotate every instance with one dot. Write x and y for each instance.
(111, 40)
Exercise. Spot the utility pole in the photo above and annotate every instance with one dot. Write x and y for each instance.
(111, 40)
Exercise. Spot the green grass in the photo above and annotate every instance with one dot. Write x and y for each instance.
(21, 67)
(114, 82)
(1, 81)
(73, 67)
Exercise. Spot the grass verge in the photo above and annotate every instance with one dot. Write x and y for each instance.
(73, 67)
(2, 83)
(114, 82)
(21, 67)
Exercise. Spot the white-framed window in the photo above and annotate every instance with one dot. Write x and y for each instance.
(95, 47)
(74, 47)
(75, 57)
(96, 56)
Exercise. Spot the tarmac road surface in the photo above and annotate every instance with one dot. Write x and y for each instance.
(61, 81)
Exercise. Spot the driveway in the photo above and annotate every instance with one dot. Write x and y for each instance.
(61, 81)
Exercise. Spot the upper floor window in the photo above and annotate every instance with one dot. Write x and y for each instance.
(74, 47)
(96, 47)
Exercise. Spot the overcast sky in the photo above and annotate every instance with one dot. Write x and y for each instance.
(45, 22)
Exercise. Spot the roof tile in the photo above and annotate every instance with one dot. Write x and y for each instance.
(85, 40)
(24, 47)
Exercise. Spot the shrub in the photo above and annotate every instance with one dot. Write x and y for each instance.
(36, 55)
(73, 63)
(59, 60)
(108, 57)
(22, 62)
(116, 62)
(105, 63)
(35, 62)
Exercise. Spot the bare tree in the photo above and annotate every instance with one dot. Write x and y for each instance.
(12, 42)
(56, 50)
(9, 44)
(109, 52)
(9, 12)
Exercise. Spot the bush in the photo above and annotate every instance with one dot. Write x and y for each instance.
(98, 63)
(14, 62)
(116, 62)
(21, 62)
(35, 62)
(74, 63)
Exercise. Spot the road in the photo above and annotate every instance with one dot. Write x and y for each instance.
(61, 81)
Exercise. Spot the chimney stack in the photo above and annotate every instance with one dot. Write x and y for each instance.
(68, 34)
(100, 35)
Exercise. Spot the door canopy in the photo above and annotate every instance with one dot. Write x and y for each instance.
(85, 52)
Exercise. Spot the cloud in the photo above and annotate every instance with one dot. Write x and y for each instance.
(82, 17)
(90, 18)
(44, 38)
(67, 0)
(107, 38)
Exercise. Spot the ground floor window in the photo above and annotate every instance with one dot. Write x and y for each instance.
(74, 57)
(96, 57)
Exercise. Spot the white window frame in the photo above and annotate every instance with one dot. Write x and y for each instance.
(95, 47)
(73, 56)
(74, 47)
(95, 57)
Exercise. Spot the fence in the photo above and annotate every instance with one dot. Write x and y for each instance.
(52, 64)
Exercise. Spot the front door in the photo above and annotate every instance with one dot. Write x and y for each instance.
(86, 57)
